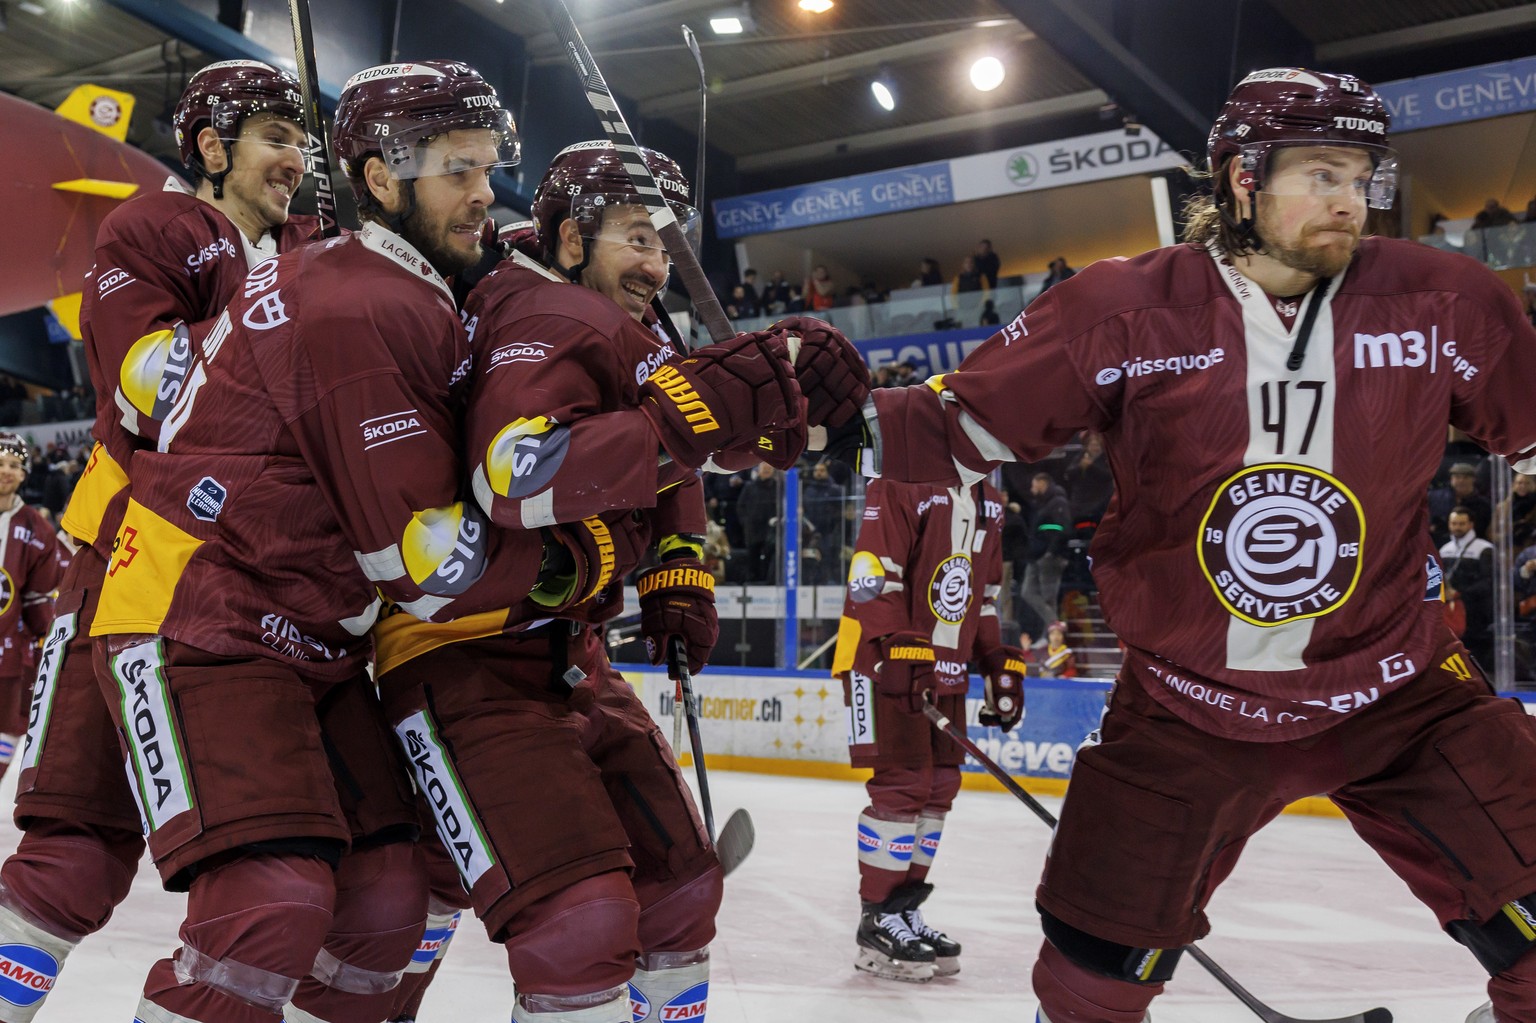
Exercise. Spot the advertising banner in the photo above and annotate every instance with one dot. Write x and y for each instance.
(1469, 94)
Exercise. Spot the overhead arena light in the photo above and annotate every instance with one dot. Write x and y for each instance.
(884, 88)
(816, 6)
(732, 21)
(987, 74)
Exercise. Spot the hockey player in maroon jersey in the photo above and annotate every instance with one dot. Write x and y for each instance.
(166, 263)
(922, 601)
(310, 465)
(29, 573)
(1274, 397)
(599, 879)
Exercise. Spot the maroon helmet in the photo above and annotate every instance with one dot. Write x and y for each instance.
(392, 110)
(586, 177)
(1290, 106)
(222, 95)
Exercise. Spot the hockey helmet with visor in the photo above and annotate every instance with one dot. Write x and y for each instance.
(224, 94)
(585, 179)
(1283, 107)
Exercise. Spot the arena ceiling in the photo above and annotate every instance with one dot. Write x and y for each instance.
(789, 97)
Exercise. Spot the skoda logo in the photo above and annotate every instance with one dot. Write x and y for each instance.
(1022, 169)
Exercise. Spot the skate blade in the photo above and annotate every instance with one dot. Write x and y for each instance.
(891, 969)
(946, 966)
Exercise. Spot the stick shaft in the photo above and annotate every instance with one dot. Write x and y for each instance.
(677, 661)
(314, 121)
(684, 260)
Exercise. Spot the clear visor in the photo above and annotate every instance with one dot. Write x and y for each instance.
(274, 135)
(460, 151)
(1369, 176)
(627, 222)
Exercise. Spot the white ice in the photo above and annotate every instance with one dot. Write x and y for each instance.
(1310, 922)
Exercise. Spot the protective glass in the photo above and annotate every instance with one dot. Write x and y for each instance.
(456, 151)
(637, 232)
(1328, 171)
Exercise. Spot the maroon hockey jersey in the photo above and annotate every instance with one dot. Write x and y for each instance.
(555, 433)
(166, 263)
(29, 573)
(1266, 559)
(929, 560)
(311, 458)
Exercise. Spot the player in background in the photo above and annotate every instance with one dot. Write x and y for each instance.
(599, 879)
(166, 263)
(310, 465)
(1274, 397)
(29, 573)
(922, 601)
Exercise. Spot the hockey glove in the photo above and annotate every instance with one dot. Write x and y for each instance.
(906, 669)
(677, 598)
(833, 375)
(1004, 670)
(587, 557)
(722, 396)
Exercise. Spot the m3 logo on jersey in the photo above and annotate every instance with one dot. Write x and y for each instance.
(949, 593)
(206, 499)
(387, 429)
(1281, 542)
(676, 387)
(27, 974)
(1412, 349)
(1457, 666)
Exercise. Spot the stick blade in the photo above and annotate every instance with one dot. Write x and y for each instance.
(739, 835)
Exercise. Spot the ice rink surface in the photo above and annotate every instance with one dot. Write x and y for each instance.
(1310, 922)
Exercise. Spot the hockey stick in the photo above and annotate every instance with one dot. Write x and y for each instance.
(1264, 1012)
(698, 163)
(314, 121)
(738, 836)
(662, 217)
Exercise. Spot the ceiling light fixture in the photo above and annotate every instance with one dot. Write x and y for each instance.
(816, 6)
(884, 88)
(732, 21)
(987, 74)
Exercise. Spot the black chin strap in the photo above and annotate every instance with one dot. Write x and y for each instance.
(1244, 226)
(1299, 349)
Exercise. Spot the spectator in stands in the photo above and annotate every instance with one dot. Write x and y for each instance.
(989, 317)
(796, 303)
(740, 305)
(758, 509)
(822, 498)
(1059, 271)
(749, 289)
(1050, 519)
(1058, 661)
(1015, 557)
(1468, 564)
(775, 296)
(969, 278)
(987, 263)
(717, 550)
(1461, 492)
(1521, 506)
(1089, 482)
(820, 291)
(905, 374)
(928, 273)
(1493, 214)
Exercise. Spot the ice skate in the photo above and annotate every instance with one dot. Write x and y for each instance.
(946, 950)
(1483, 1014)
(888, 948)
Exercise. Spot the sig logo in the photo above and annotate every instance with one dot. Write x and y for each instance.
(869, 842)
(27, 974)
(690, 1005)
(525, 456)
(444, 549)
(866, 577)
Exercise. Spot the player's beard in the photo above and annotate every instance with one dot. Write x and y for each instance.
(432, 237)
(1319, 259)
